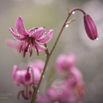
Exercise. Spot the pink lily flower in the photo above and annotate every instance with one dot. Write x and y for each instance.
(27, 77)
(31, 38)
(23, 77)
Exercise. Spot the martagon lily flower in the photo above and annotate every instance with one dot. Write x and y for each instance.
(31, 38)
(28, 77)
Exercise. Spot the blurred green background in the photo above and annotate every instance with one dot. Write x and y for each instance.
(51, 14)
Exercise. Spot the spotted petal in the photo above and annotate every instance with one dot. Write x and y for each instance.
(46, 38)
(40, 47)
(18, 37)
(20, 26)
(15, 69)
(39, 32)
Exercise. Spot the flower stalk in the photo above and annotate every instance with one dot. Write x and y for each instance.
(49, 54)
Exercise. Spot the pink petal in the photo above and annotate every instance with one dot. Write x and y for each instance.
(19, 78)
(15, 69)
(17, 36)
(38, 63)
(12, 43)
(40, 47)
(27, 77)
(61, 64)
(37, 75)
(77, 74)
(71, 60)
(39, 32)
(12, 31)
(46, 38)
(20, 26)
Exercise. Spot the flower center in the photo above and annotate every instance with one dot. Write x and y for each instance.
(28, 41)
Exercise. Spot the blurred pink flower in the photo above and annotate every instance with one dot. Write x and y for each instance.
(37, 63)
(52, 93)
(27, 77)
(65, 91)
(64, 62)
(80, 88)
(71, 89)
(90, 27)
(31, 38)
(77, 75)
(43, 99)
(14, 44)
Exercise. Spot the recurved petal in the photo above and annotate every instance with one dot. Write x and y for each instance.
(17, 36)
(15, 69)
(46, 38)
(20, 26)
(61, 64)
(16, 76)
(39, 32)
(40, 47)
(12, 31)
(77, 74)
(71, 60)
(38, 63)
(12, 43)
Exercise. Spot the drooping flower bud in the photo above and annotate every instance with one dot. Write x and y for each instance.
(90, 27)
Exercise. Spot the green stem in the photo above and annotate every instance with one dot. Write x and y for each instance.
(60, 33)
(35, 92)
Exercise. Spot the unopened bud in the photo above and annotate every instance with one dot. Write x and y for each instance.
(90, 27)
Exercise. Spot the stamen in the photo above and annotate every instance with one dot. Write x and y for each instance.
(23, 94)
(19, 94)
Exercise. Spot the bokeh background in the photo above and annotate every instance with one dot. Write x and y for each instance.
(51, 14)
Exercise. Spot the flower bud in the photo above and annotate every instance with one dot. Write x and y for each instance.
(90, 27)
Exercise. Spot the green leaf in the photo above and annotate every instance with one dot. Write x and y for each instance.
(68, 23)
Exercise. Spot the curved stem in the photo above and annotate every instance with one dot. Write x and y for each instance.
(60, 33)
(79, 10)
(64, 26)
(49, 54)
